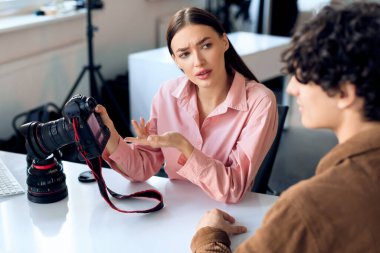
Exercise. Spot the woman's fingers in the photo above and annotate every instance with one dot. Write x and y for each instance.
(142, 122)
(104, 115)
(152, 140)
(141, 130)
(137, 140)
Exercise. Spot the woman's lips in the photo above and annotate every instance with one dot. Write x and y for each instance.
(203, 74)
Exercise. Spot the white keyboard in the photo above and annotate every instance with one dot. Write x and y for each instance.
(8, 183)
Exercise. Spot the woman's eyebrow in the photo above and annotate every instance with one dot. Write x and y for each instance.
(198, 43)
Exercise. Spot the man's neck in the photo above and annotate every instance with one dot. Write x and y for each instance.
(353, 128)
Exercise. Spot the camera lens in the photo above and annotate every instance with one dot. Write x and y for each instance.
(42, 139)
(46, 181)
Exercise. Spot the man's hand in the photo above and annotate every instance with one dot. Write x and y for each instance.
(222, 220)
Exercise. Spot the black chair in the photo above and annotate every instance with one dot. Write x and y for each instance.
(260, 184)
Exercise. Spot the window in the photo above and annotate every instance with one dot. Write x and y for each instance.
(9, 7)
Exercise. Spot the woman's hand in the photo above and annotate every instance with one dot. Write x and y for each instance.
(141, 130)
(115, 137)
(168, 139)
(222, 220)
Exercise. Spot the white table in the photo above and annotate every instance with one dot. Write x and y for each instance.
(149, 69)
(83, 222)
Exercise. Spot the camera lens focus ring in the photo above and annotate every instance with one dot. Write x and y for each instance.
(46, 181)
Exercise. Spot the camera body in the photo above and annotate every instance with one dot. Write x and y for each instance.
(80, 124)
(93, 134)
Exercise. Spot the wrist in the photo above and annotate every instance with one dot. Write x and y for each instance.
(112, 143)
(186, 148)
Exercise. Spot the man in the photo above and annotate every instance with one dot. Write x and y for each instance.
(335, 63)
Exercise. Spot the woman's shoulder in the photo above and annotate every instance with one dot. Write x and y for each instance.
(173, 84)
(256, 90)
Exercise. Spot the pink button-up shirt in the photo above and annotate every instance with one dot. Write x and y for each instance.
(228, 147)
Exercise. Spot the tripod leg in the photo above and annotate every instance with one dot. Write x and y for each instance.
(97, 71)
(75, 86)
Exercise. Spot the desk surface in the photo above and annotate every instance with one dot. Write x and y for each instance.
(83, 222)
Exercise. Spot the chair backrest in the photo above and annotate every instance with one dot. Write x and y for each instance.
(261, 181)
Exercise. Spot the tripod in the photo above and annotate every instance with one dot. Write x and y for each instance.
(94, 71)
(91, 67)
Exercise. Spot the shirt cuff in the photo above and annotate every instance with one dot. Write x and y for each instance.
(194, 166)
(122, 149)
(207, 235)
(118, 156)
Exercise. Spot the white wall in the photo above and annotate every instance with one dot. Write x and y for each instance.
(40, 63)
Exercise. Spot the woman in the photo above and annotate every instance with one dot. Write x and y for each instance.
(212, 127)
(335, 62)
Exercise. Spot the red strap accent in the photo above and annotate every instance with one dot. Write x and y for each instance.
(44, 167)
(96, 167)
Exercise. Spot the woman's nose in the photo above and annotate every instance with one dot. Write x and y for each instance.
(198, 58)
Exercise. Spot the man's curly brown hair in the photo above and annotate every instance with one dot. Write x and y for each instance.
(337, 46)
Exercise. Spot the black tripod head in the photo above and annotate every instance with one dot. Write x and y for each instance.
(93, 4)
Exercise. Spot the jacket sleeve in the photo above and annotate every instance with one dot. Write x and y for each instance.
(285, 229)
(228, 183)
(209, 239)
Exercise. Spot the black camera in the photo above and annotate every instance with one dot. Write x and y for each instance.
(79, 124)
(42, 139)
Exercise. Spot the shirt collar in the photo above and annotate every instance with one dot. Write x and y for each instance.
(360, 143)
(236, 97)
(183, 89)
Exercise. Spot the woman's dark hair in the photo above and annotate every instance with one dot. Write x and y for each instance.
(198, 16)
(337, 46)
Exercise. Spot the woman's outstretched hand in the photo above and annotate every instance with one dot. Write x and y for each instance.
(168, 139)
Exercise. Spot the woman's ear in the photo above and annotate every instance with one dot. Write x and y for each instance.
(347, 96)
(226, 42)
(175, 61)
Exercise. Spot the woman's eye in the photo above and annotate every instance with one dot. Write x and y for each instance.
(207, 45)
(183, 55)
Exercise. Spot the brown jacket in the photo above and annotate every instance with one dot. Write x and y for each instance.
(337, 210)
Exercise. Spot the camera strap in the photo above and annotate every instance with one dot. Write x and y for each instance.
(96, 167)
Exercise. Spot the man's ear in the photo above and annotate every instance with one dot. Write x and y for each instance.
(347, 95)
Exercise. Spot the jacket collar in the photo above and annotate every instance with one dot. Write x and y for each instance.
(360, 143)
